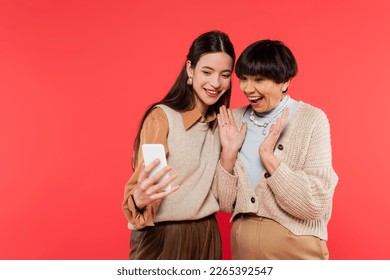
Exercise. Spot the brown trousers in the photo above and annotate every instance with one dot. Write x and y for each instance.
(183, 240)
(258, 238)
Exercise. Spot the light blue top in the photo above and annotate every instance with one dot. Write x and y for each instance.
(254, 137)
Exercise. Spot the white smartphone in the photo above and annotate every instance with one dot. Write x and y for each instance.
(152, 151)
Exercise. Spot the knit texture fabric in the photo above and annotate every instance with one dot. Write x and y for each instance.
(193, 155)
(299, 194)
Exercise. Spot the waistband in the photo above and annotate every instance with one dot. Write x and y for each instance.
(251, 216)
(210, 217)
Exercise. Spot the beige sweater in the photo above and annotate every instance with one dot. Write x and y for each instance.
(193, 153)
(299, 194)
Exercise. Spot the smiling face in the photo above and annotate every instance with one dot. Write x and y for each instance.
(263, 94)
(211, 78)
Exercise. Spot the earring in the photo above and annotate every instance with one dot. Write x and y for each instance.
(189, 81)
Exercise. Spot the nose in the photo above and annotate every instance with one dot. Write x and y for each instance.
(214, 81)
(247, 87)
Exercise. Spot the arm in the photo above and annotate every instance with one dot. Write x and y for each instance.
(307, 192)
(224, 188)
(225, 182)
(266, 149)
(143, 196)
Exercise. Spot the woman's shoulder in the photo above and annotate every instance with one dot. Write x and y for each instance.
(157, 112)
(310, 109)
(155, 117)
(310, 113)
(164, 108)
(239, 111)
(166, 112)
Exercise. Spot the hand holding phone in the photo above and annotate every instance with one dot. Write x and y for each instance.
(151, 152)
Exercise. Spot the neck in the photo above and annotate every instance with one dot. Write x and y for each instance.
(276, 112)
(282, 102)
(201, 107)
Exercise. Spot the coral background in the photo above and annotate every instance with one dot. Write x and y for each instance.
(76, 76)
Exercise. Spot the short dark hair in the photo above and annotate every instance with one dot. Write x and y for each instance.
(270, 59)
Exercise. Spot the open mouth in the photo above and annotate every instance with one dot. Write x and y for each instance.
(255, 99)
(212, 92)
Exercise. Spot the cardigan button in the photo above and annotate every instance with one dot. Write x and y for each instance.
(280, 147)
(253, 200)
(267, 175)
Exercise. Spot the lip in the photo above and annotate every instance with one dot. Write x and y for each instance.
(255, 100)
(212, 92)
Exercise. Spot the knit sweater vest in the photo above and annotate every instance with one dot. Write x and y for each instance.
(193, 156)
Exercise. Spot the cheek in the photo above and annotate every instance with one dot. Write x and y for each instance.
(242, 87)
(226, 83)
(198, 82)
(275, 100)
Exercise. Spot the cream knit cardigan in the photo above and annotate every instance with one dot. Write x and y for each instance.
(299, 193)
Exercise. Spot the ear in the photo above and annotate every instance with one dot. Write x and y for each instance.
(285, 85)
(190, 71)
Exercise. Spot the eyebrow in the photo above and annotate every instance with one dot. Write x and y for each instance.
(210, 68)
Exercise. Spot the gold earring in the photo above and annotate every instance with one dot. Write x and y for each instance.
(189, 81)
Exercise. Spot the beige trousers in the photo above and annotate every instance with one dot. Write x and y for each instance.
(257, 238)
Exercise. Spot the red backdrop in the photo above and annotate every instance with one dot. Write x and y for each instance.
(75, 77)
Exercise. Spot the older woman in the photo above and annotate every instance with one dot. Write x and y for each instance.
(275, 172)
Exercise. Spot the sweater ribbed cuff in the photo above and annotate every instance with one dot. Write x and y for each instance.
(279, 178)
(227, 188)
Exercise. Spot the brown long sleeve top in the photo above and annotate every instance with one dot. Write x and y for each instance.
(154, 130)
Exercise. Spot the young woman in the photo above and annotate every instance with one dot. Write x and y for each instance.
(279, 163)
(180, 223)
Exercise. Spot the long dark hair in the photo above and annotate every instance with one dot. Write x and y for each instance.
(181, 97)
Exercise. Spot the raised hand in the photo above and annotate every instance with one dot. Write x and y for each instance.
(230, 137)
(149, 190)
(266, 149)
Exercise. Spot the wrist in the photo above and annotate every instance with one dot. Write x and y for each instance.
(229, 153)
(266, 155)
(270, 162)
(228, 159)
(139, 208)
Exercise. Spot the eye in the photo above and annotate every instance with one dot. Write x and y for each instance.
(259, 79)
(243, 79)
(226, 76)
(207, 73)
